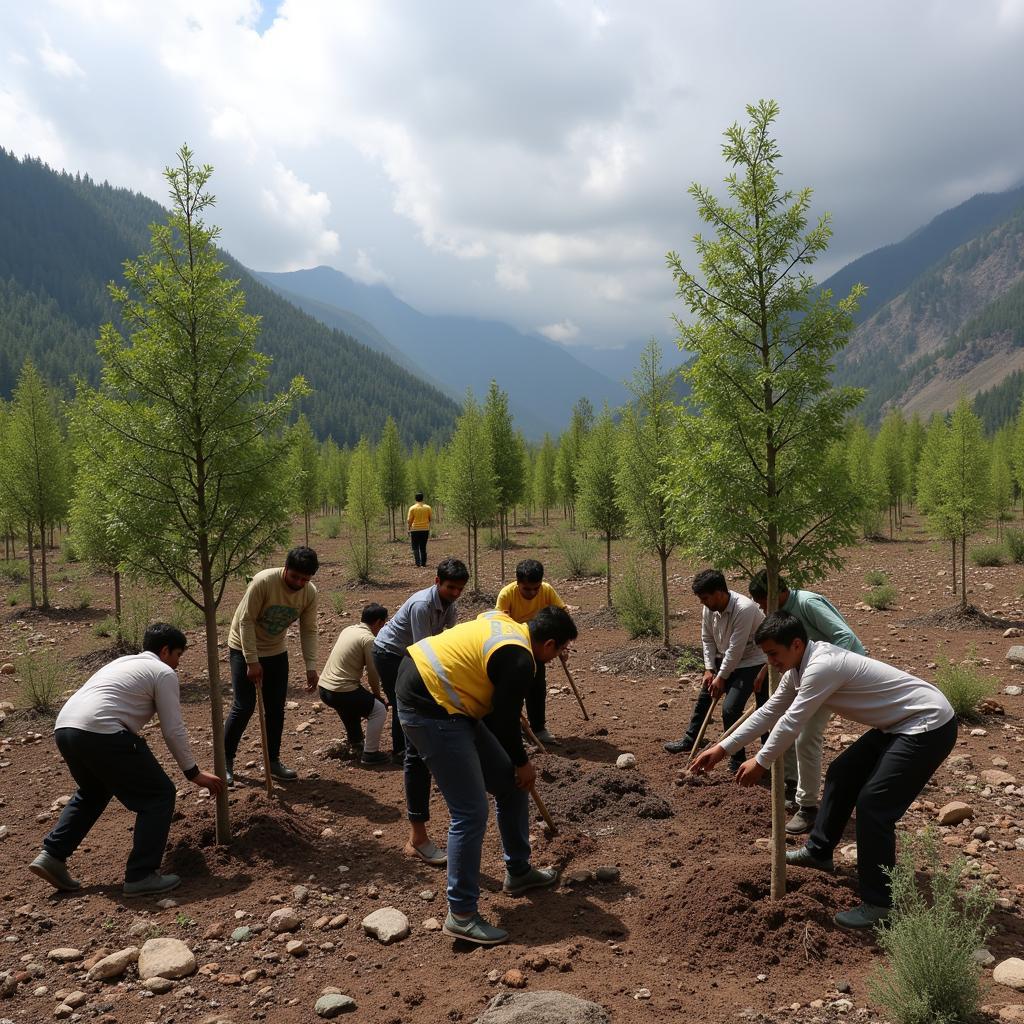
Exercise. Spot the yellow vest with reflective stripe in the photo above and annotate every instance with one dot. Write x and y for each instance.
(453, 664)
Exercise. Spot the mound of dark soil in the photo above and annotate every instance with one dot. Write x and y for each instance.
(602, 794)
(645, 658)
(956, 617)
(472, 603)
(93, 660)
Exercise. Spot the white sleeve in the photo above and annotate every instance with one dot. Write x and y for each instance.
(168, 706)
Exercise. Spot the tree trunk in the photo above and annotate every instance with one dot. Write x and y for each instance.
(963, 570)
(663, 555)
(306, 521)
(476, 574)
(117, 599)
(954, 567)
(608, 561)
(42, 564)
(778, 801)
(31, 570)
(501, 543)
(223, 825)
(469, 545)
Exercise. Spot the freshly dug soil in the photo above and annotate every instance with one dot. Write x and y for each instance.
(962, 618)
(601, 794)
(648, 657)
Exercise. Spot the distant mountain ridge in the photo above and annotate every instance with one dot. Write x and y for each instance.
(543, 379)
(63, 237)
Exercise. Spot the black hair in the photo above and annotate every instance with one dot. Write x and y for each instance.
(781, 627)
(529, 570)
(418, 495)
(758, 588)
(372, 613)
(159, 635)
(709, 581)
(452, 569)
(552, 623)
(303, 560)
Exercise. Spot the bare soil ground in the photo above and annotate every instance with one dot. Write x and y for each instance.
(683, 929)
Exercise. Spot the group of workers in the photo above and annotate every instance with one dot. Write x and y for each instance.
(456, 694)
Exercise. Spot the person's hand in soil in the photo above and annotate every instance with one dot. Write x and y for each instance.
(717, 686)
(312, 678)
(526, 775)
(708, 677)
(214, 783)
(750, 773)
(254, 673)
(707, 760)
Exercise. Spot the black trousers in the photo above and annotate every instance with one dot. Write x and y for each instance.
(737, 692)
(879, 776)
(536, 699)
(419, 540)
(118, 765)
(387, 668)
(275, 692)
(352, 707)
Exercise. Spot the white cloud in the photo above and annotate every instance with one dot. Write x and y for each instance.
(564, 331)
(510, 277)
(58, 62)
(366, 270)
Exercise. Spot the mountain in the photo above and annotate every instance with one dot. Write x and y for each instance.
(944, 313)
(543, 379)
(63, 237)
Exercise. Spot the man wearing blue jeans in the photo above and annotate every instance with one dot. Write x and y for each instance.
(460, 698)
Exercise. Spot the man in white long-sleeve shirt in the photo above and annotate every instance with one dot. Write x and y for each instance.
(98, 735)
(733, 663)
(912, 730)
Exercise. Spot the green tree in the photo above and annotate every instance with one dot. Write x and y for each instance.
(600, 508)
(35, 473)
(929, 484)
(507, 459)
(570, 452)
(1001, 477)
(392, 480)
(862, 471)
(646, 441)
(470, 489)
(761, 490)
(913, 445)
(363, 510)
(1017, 452)
(545, 493)
(189, 453)
(891, 465)
(333, 475)
(304, 470)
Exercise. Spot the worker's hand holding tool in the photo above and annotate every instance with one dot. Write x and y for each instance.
(717, 687)
(526, 775)
(254, 673)
(707, 760)
(708, 677)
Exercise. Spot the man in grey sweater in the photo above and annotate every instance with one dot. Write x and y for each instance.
(98, 735)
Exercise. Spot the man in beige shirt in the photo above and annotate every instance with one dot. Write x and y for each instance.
(258, 651)
(341, 689)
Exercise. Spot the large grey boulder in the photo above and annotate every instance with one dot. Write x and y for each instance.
(542, 1008)
(1016, 654)
(165, 958)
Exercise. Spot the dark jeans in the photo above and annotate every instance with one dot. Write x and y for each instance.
(352, 707)
(880, 776)
(737, 692)
(419, 540)
(468, 762)
(415, 773)
(536, 698)
(387, 668)
(118, 765)
(275, 691)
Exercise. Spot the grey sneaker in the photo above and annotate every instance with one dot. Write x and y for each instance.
(545, 737)
(229, 773)
(375, 757)
(535, 878)
(803, 858)
(282, 774)
(54, 871)
(475, 929)
(152, 885)
(865, 916)
(802, 821)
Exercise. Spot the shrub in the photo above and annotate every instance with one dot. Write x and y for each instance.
(83, 600)
(638, 602)
(137, 612)
(185, 615)
(363, 560)
(690, 660)
(580, 553)
(69, 550)
(965, 688)
(931, 976)
(14, 571)
(876, 578)
(881, 598)
(331, 527)
(338, 602)
(42, 681)
(1014, 541)
(105, 627)
(989, 554)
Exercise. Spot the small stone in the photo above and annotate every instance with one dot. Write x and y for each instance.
(579, 877)
(64, 954)
(1015, 655)
(1010, 972)
(215, 930)
(300, 894)
(1012, 632)
(296, 948)
(242, 934)
(844, 986)
(338, 921)
(1011, 1014)
(642, 993)
(609, 873)
(984, 957)
(431, 925)
(625, 761)
(7, 669)
(514, 979)
(954, 812)
(158, 985)
(386, 925)
(167, 904)
(849, 853)
(979, 732)
(63, 1011)
(427, 895)
(332, 1004)
(165, 958)
(283, 920)
(229, 979)
(1013, 691)
(997, 777)
(113, 966)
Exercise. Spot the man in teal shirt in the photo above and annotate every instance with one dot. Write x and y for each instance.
(822, 621)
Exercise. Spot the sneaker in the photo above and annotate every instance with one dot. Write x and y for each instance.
(229, 773)
(374, 757)
(428, 853)
(803, 858)
(683, 746)
(535, 878)
(54, 871)
(791, 804)
(152, 885)
(282, 774)
(398, 757)
(865, 916)
(475, 929)
(545, 737)
(802, 821)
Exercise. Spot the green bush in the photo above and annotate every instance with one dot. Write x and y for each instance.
(580, 554)
(330, 527)
(364, 560)
(931, 976)
(1014, 541)
(14, 571)
(105, 627)
(638, 602)
(989, 554)
(83, 600)
(338, 602)
(185, 615)
(138, 610)
(691, 660)
(881, 598)
(965, 688)
(69, 550)
(876, 578)
(42, 681)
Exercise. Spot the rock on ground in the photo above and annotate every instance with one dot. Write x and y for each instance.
(386, 925)
(115, 965)
(625, 761)
(331, 1005)
(542, 1008)
(165, 958)
(1016, 654)
(283, 920)
(1010, 973)
(954, 812)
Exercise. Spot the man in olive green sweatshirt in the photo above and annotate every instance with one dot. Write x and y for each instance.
(258, 651)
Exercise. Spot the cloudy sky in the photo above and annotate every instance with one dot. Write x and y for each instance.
(525, 161)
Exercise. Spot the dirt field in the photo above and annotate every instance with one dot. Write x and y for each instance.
(681, 929)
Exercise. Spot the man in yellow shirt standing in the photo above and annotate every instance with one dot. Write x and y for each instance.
(418, 521)
(521, 601)
(258, 651)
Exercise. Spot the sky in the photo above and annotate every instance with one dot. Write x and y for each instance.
(526, 162)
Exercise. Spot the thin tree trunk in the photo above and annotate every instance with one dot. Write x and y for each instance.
(223, 821)
(954, 567)
(117, 599)
(501, 542)
(469, 545)
(608, 560)
(42, 564)
(963, 570)
(31, 570)
(476, 574)
(663, 555)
